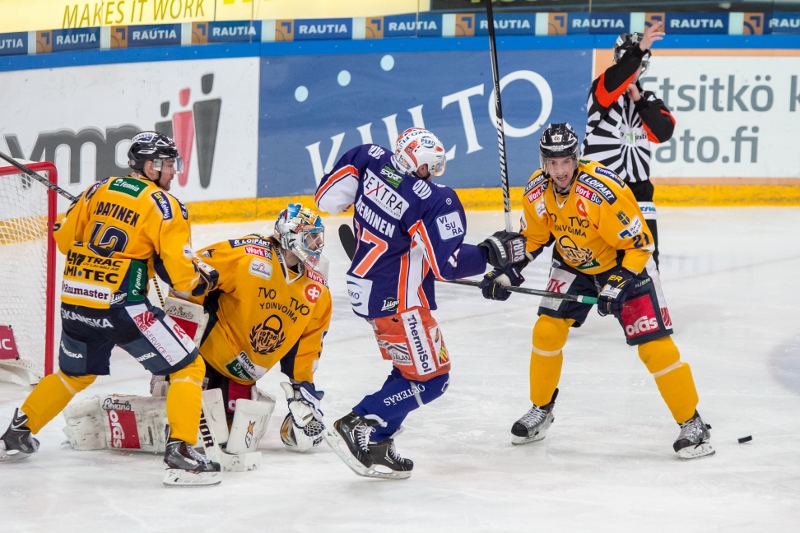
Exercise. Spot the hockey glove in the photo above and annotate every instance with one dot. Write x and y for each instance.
(615, 292)
(306, 395)
(208, 278)
(493, 285)
(503, 248)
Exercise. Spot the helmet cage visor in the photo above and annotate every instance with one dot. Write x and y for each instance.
(158, 164)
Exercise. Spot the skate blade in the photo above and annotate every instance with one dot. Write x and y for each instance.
(373, 472)
(175, 477)
(539, 435)
(339, 447)
(693, 452)
(12, 456)
(518, 441)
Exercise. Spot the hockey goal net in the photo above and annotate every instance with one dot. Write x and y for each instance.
(27, 273)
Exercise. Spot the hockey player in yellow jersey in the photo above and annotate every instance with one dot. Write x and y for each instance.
(118, 232)
(272, 305)
(602, 249)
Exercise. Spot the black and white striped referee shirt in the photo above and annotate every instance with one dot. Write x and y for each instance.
(619, 131)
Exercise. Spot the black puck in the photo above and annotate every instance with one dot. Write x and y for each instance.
(748, 438)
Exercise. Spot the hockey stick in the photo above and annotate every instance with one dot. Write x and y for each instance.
(348, 241)
(38, 177)
(498, 111)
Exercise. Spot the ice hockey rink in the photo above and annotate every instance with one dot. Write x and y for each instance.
(607, 465)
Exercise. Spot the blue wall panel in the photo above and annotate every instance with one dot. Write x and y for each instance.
(312, 99)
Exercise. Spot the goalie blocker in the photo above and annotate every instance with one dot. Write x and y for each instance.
(137, 423)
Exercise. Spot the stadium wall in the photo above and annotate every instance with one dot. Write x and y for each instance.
(259, 122)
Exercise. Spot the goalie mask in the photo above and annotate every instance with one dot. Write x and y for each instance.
(155, 147)
(300, 230)
(416, 147)
(625, 43)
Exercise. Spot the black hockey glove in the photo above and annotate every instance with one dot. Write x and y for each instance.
(493, 284)
(615, 292)
(208, 278)
(503, 248)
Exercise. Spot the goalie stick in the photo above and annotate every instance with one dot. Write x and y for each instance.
(348, 241)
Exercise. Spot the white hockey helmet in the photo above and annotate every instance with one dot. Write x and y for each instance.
(300, 230)
(416, 147)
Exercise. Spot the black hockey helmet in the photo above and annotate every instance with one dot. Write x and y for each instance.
(558, 140)
(625, 43)
(152, 146)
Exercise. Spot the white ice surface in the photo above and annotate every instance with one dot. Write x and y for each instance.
(607, 465)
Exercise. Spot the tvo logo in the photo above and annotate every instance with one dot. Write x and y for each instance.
(642, 325)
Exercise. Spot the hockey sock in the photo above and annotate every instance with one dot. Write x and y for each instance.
(673, 378)
(184, 401)
(51, 396)
(396, 399)
(549, 337)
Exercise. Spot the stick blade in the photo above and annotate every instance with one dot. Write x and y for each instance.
(348, 240)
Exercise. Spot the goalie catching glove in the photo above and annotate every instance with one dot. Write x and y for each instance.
(303, 427)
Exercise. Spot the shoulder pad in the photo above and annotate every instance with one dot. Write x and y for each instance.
(610, 174)
(162, 201)
(184, 211)
(93, 189)
(250, 240)
(597, 185)
(422, 189)
(536, 180)
(316, 276)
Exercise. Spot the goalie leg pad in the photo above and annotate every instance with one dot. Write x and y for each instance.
(249, 424)
(230, 462)
(115, 422)
(191, 317)
(214, 411)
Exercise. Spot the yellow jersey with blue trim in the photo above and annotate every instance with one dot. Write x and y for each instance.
(263, 312)
(115, 235)
(596, 223)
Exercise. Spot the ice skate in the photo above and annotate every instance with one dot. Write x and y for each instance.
(186, 467)
(17, 442)
(694, 439)
(533, 425)
(387, 462)
(349, 439)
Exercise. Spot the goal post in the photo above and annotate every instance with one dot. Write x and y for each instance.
(28, 211)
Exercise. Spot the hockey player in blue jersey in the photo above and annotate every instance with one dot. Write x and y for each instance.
(409, 231)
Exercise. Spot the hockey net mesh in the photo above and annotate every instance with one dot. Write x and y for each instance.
(24, 239)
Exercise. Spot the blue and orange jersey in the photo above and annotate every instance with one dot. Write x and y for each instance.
(409, 231)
